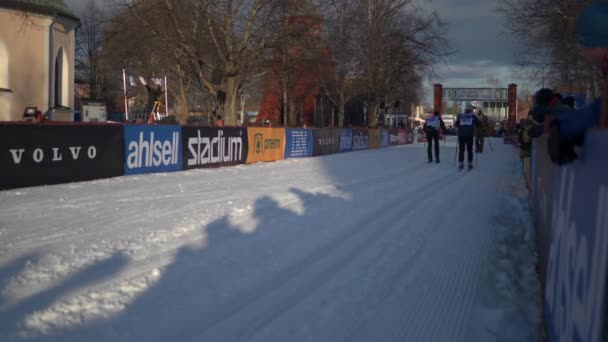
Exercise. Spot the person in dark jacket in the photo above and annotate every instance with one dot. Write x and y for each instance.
(432, 127)
(568, 126)
(480, 131)
(466, 123)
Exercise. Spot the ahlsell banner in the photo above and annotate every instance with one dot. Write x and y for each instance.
(298, 143)
(326, 141)
(213, 146)
(265, 144)
(346, 140)
(374, 138)
(38, 155)
(360, 139)
(151, 149)
(394, 137)
(576, 296)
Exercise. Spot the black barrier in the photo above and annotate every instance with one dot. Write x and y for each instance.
(213, 146)
(42, 155)
(325, 141)
(360, 139)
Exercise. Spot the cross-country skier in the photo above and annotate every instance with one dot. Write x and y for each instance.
(466, 123)
(431, 127)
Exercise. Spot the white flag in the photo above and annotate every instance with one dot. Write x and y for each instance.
(158, 81)
(132, 81)
(143, 80)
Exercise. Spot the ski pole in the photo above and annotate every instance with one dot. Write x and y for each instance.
(490, 142)
(456, 152)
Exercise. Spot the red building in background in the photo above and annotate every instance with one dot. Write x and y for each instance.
(301, 64)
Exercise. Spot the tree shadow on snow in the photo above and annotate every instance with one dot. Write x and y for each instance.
(209, 288)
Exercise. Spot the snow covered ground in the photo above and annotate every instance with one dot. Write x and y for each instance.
(366, 246)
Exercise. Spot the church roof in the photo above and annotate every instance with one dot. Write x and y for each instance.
(50, 7)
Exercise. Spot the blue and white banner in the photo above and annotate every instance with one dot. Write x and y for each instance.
(151, 149)
(346, 140)
(298, 143)
(385, 138)
(577, 279)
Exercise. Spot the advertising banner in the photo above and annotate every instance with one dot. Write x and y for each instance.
(34, 155)
(410, 136)
(326, 141)
(402, 136)
(385, 138)
(346, 140)
(213, 146)
(374, 138)
(151, 149)
(576, 295)
(394, 137)
(265, 144)
(360, 139)
(299, 143)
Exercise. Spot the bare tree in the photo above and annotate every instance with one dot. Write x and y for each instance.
(547, 30)
(89, 42)
(220, 42)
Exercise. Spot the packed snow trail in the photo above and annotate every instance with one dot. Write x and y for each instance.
(366, 246)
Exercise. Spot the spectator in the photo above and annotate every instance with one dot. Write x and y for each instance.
(567, 128)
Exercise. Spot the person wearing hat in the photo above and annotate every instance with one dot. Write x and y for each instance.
(431, 127)
(466, 124)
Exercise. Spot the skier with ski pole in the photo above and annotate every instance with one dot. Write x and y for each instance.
(466, 123)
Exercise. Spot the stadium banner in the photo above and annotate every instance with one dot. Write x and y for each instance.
(265, 144)
(152, 148)
(385, 138)
(374, 138)
(576, 294)
(205, 147)
(360, 139)
(325, 141)
(394, 137)
(35, 155)
(299, 143)
(346, 140)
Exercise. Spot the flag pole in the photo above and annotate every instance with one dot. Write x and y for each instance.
(166, 98)
(124, 84)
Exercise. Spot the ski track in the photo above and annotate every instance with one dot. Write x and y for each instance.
(364, 246)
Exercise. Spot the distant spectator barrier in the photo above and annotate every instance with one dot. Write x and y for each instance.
(394, 137)
(360, 139)
(402, 136)
(37, 155)
(213, 146)
(326, 141)
(385, 138)
(265, 144)
(374, 138)
(150, 149)
(299, 143)
(346, 140)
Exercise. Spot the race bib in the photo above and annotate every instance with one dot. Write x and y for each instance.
(466, 121)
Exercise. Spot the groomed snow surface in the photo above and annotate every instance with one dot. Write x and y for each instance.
(364, 246)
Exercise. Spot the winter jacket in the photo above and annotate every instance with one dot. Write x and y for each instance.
(466, 123)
